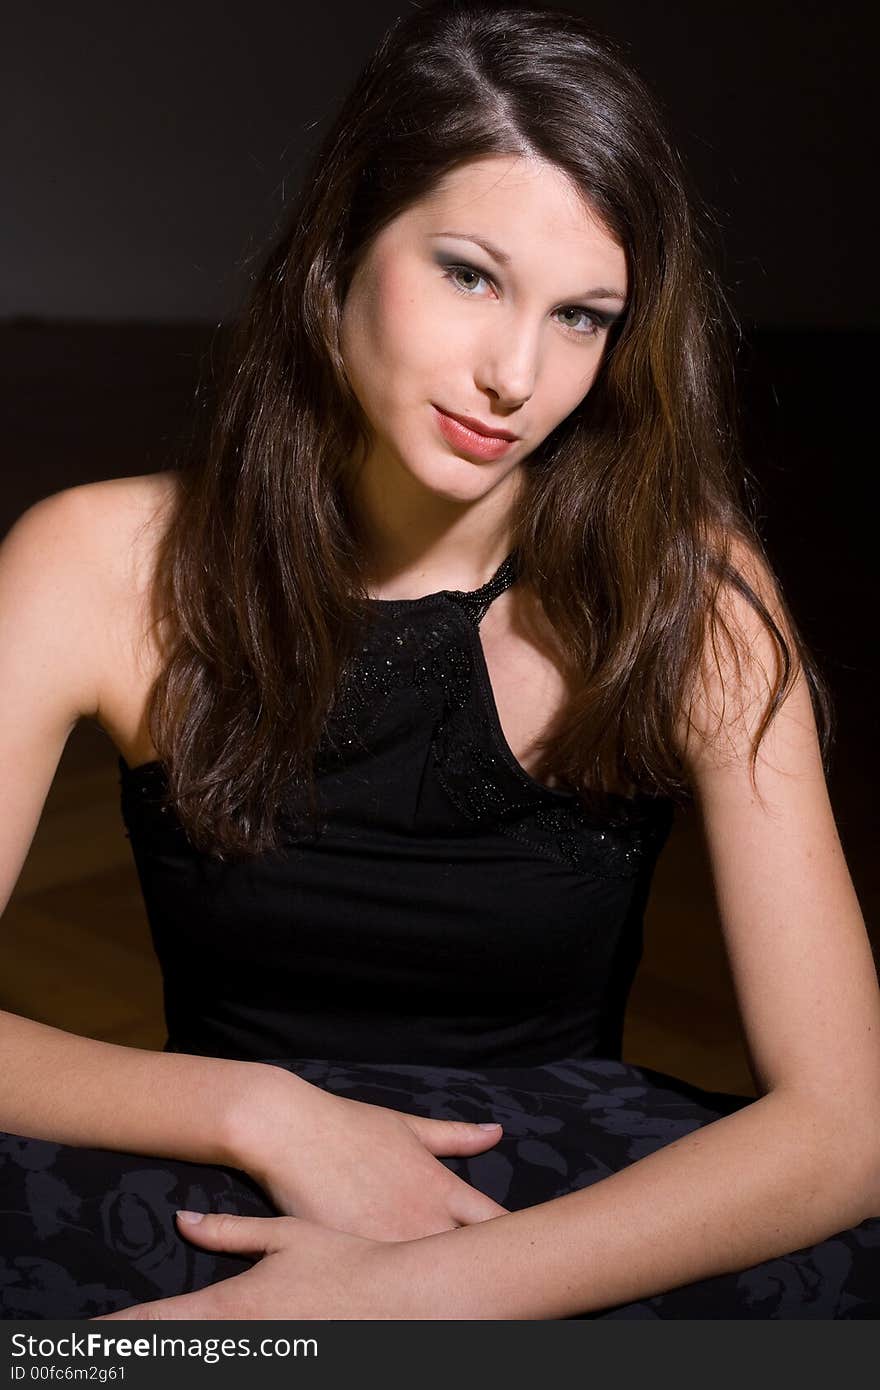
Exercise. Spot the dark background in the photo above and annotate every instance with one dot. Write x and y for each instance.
(147, 154)
(149, 145)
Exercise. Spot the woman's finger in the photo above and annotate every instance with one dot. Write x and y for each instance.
(451, 1138)
(199, 1304)
(467, 1205)
(244, 1235)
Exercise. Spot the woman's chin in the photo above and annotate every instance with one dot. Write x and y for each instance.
(460, 480)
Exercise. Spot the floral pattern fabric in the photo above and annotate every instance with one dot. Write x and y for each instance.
(89, 1231)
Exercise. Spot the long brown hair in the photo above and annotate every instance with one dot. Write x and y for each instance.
(624, 527)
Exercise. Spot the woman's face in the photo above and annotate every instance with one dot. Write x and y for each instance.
(511, 337)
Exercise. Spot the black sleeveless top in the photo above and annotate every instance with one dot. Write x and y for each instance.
(448, 910)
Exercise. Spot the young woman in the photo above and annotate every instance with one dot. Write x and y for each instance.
(407, 668)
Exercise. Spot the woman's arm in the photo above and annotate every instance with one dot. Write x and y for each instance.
(62, 571)
(73, 1090)
(799, 1164)
(55, 574)
(802, 1162)
(770, 1179)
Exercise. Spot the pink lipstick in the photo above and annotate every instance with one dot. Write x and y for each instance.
(471, 441)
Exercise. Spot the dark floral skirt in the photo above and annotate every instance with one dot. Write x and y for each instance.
(89, 1231)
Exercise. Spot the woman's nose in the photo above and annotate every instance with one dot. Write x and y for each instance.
(509, 368)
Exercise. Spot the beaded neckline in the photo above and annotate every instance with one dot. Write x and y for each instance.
(472, 601)
(471, 605)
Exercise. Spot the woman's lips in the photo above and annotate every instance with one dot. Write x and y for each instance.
(468, 441)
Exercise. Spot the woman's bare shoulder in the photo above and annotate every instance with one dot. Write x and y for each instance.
(117, 512)
(96, 539)
(122, 521)
(117, 522)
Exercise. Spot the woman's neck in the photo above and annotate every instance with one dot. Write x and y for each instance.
(415, 541)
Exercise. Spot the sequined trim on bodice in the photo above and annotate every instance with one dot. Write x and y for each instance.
(432, 647)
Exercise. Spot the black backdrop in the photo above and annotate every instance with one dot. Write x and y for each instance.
(149, 146)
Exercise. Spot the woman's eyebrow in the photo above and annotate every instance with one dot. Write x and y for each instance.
(504, 259)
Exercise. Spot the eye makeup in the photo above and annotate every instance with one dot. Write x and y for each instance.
(601, 319)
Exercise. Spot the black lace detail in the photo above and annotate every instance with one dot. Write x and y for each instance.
(484, 780)
(432, 647)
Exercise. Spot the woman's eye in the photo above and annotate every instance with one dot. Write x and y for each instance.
(454, 270)
(593, 322)
(590, 323)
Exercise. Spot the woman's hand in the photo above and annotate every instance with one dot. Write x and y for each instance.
(303, 1271)
(361, 1168)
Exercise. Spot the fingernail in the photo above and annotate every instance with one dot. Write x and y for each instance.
(490, 1124)
(190, 1217)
